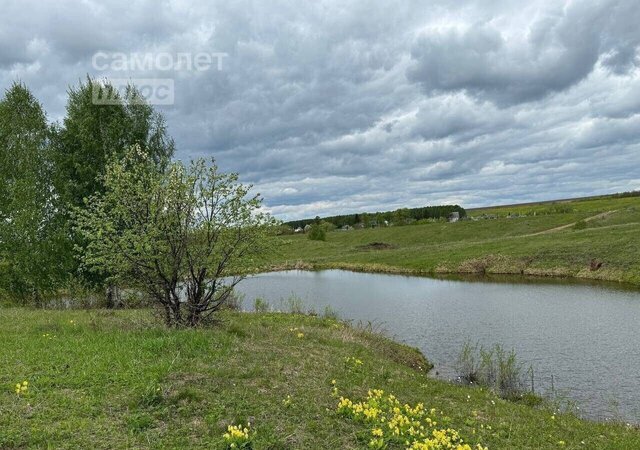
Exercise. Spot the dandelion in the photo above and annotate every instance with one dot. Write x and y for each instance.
(300, 335)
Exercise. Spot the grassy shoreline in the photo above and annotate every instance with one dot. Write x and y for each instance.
(115, 379)
(593, 239)
(619, 279)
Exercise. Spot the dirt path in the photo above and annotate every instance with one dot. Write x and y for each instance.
(569, 225)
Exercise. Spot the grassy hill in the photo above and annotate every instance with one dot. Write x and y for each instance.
(114, 379)
(551, 239)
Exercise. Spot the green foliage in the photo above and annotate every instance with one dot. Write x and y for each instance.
(30, 266)
(317, 233)
(327, 226)
(186, 233)
(91, 135)
(284, 230)
(400, 216)
(46, 171)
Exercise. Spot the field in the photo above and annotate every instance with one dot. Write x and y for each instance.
(114, 379)
(590, 238)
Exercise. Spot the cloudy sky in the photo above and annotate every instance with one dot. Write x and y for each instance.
(342, 106)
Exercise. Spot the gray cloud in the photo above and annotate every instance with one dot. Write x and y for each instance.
(554, 50)
(329, 107)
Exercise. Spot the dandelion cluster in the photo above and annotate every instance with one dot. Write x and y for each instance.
(398, 424)
(238, 436)
(22, 388)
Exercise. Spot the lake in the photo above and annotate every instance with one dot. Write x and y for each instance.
(585, 336)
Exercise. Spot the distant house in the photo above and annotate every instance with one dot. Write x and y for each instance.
(454, 216)
(298, 230)
(346, 228)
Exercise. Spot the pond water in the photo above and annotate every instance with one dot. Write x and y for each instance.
(585, 336)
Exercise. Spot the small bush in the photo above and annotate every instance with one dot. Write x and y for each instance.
(317, 233)
(327, 226)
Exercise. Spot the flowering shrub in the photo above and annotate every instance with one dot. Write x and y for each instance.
(398, 424)
(238, 436)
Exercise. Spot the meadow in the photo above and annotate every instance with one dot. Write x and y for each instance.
(589, 238)
(117, 379)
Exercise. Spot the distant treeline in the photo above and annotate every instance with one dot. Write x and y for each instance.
(626, 194)
(398, 217)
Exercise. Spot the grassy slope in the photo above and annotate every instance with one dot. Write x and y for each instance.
(108, 380)
(500, 246)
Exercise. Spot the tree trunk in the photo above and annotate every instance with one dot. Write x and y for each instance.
(111, 302)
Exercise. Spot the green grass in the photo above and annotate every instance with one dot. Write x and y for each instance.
(503, 245)
(117, 380)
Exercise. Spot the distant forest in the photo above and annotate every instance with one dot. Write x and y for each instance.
(626, 194)
(400, 216)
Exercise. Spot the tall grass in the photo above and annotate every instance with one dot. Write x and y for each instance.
(494, 368)
(260, 305)
(293, 304)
